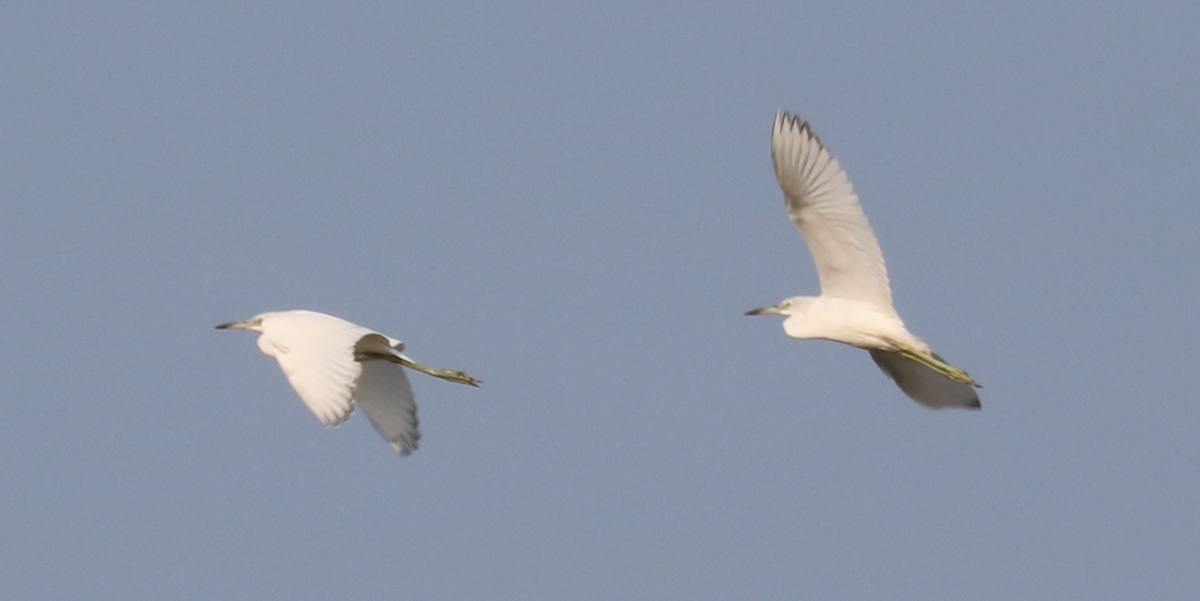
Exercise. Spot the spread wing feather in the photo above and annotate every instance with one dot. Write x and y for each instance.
(386, 398)
(822, 203)
(323, 375)
(317, 356)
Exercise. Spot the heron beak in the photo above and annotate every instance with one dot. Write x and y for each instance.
(773, 309)
(234, 325)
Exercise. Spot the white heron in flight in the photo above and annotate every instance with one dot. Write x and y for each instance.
(331, 362)
(855, 305)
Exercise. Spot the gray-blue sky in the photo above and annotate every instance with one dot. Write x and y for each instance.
(576, 203)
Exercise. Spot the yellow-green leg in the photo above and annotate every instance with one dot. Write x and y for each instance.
(935, 363)
(445, 374)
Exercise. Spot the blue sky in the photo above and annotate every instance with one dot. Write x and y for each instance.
(575, 203)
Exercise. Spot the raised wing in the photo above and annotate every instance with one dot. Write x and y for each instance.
(822, 203)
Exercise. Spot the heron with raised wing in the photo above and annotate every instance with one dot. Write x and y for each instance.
(855, 305)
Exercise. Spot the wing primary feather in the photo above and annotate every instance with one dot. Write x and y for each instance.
(823, 205)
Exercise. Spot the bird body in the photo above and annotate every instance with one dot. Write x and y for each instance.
(844, 320)
(855, 305)
(331, 362)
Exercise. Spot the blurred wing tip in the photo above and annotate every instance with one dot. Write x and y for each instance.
(403, 448)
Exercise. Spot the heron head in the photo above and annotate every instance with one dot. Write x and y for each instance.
(254, 324)
(787, 308)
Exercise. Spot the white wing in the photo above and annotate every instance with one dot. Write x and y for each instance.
(316, 353)
(924, 385)
(323, 375)
(822, 203)
(385, 395)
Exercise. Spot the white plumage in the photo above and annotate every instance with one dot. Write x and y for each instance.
(332, 363)
(855, 305)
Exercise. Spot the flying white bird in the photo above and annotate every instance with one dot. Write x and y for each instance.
(855, 305)
(331, 362)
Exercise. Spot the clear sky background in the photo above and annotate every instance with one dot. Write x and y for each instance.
(575, 203)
